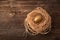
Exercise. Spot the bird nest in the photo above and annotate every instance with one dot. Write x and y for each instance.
(38, 21)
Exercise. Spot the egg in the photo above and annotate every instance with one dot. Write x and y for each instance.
(37, 19)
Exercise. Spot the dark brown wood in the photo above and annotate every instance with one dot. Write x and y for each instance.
(12, 28)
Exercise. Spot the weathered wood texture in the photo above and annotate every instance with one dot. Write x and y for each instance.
(12, 26)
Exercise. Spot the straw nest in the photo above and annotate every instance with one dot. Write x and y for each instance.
(38, 21)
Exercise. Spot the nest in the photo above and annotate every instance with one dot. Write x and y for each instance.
(35, 28)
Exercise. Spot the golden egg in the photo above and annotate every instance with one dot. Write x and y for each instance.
(38, 19)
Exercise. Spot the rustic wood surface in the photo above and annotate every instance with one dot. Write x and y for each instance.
(12, 27)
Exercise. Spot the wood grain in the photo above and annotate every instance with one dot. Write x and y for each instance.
(13, 28)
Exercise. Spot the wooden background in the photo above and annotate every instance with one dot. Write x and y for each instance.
(12, 26)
